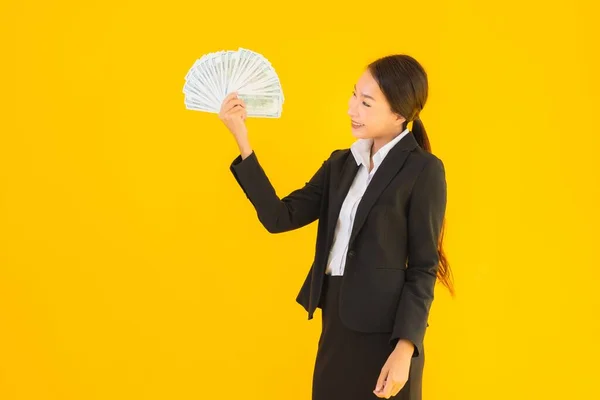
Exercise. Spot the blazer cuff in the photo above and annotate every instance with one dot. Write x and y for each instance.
(251, 177)
(411, 338)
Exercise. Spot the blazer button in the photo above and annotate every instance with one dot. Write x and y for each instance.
(351, 253)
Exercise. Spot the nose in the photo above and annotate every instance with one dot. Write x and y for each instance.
(351, 108)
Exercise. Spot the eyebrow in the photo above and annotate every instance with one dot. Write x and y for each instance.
(365, 95)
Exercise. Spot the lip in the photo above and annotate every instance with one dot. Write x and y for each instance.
(356, 123)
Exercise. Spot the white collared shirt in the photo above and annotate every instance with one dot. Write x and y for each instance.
(361, 150)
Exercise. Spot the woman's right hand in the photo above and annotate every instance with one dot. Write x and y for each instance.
(233, 114)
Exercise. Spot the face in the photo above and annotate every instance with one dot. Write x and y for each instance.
(370, 113)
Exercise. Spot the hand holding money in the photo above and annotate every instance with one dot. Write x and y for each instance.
(233, 114)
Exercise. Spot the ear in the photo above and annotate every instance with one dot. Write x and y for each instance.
(399, 119)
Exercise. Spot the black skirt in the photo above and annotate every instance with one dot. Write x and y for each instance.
(348, 363)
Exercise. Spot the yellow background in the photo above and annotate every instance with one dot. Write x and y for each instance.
(133, 267)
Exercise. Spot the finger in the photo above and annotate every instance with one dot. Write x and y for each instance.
(387, 389)
(236, 114)
(230, 96)
(397, 388)
(235, 103)
(233, 99)
(378, 394)
(381, 380)
(225, 104)
(234, 110)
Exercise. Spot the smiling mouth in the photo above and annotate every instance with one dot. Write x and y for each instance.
(356, 125)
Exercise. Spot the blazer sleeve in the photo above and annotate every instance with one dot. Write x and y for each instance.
(297, 209)
(425, 216)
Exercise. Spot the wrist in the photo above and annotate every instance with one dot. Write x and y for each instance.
(244, 147)
(405, 347)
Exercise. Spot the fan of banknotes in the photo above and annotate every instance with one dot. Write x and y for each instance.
(215, 75)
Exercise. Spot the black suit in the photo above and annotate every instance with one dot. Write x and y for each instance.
(392, 258)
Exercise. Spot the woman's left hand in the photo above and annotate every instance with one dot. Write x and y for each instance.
(394, 373)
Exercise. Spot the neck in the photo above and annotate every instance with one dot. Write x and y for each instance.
(378, 143)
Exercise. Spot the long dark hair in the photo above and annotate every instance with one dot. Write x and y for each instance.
(403, 81)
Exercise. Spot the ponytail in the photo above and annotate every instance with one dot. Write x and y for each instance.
(420, 133)
(444, 273)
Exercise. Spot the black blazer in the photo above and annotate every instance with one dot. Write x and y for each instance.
(392, 259)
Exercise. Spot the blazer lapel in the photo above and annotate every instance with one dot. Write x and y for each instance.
(340, 186)
(390, 166)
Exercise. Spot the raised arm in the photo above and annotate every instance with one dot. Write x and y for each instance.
(297, 209)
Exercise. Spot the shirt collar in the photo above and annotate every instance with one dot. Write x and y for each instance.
(361, 150)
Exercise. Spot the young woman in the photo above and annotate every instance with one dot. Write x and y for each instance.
(381, 206)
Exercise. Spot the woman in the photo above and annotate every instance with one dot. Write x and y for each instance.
(380, 206)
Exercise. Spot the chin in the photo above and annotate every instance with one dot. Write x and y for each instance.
(359, 134)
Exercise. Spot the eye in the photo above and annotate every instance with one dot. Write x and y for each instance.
(364, 103)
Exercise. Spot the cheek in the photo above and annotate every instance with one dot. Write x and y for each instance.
(375, 122)
(371, 117)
